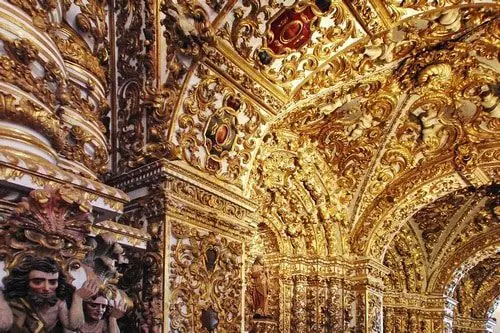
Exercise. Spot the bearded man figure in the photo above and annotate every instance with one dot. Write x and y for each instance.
(38, 295)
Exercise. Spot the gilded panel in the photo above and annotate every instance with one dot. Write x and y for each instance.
(219, 128)
(205, 281)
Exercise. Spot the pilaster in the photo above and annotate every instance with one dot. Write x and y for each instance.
(366, 279)
(199, 232)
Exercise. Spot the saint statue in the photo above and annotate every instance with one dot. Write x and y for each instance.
(96, 311)
(37, 295)
(260, 278)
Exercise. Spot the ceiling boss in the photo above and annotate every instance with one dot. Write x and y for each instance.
(291, 29)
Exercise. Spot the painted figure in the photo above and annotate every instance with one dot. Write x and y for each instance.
(37, 294)
(95, 311)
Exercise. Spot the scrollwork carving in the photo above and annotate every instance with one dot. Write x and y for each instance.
(51, 221)
(206, 274)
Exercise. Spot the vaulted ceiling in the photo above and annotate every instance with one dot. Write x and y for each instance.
(340, 119)
(432, 244)
(366, 128)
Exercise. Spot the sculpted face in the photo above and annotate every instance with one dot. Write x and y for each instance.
(44, 284)
(95, 309)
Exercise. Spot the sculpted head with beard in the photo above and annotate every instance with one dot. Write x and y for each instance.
(37, 297)
(39, 281)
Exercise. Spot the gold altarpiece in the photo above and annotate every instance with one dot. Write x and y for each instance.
(353, 145)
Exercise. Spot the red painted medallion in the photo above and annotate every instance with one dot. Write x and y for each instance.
(221, 134)
(291, 29)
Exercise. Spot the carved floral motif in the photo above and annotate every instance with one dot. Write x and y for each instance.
(52, 221)
(205, 278)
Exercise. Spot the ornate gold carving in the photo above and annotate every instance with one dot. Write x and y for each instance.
(27, 67)
(75, 50)
(349, 134)
(369, 18)
(473, 288)
(222, 57)
(27, 113)
(52, 221)
(183, 190)
(140, 142)
(400, 9)
(210, 98)
(486, 218)
(16, 165)
(434, 218)
(373, 133)
(148, 268)
(188, 27)
(81, 140)
(406, 262)
(298, 195)
(92, 21)
(20, 75)
(364, 58)
(123, 233)
(38, 11)
(247, 35)
(212, 265)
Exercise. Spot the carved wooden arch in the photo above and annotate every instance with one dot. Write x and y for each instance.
(431, 182)
(283, 244)
(487, 300)
(466, 257)
(283, 174)
(275, 226)
(462, 260)
(409, 239)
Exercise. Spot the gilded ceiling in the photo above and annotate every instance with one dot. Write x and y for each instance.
(355, 126)
(355, 144)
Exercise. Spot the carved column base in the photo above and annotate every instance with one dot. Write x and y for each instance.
(264, 326)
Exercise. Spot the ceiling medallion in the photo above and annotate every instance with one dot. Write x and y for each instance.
(220, 133)
(291, 29)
